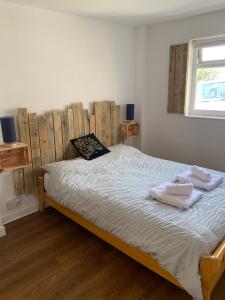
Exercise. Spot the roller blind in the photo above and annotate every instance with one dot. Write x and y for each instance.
(177, 78)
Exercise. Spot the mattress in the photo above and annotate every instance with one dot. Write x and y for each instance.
(112, 192)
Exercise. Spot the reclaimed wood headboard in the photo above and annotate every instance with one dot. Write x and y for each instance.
(48, 136)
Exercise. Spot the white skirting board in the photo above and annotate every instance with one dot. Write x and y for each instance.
(29, 205)
(10, 217)
(2, 231)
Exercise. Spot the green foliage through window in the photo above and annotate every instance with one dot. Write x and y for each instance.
(207, 74)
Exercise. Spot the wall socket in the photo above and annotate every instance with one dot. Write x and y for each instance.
(13, 203)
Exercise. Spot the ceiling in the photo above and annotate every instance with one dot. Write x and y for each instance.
(133, 12)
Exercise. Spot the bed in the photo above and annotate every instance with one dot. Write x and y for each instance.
(110, 196)
(112, 193)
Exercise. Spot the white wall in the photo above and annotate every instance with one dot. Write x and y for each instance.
(49, 59)
(140, 87)
(172, 136)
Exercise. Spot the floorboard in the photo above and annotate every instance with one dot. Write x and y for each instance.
(47, 256)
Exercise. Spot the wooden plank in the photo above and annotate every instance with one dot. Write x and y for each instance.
(73, 153)
(112, 117)
(78, 119)
(35, 148)
(98, 120)
(117, 123)
(23, 160)
(51, 139)
(108, 123)
(86, 122)
(41, 197)
(104, 122)
(81, 119)
(43, 135)
(19, 182)
(57, 125)
(113, 126)
(34, 136)
(104, 118)
(92, 124)
(71, 123)
(24, 134)
(65, 134)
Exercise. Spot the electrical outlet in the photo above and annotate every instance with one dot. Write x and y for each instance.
(18, 202)
(13, 203)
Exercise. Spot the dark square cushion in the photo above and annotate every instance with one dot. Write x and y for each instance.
(89, 146)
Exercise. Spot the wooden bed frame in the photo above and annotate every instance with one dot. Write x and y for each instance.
(48, 139)
(211, 267)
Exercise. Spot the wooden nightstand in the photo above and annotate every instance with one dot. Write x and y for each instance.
(13, 156)
(130, 129)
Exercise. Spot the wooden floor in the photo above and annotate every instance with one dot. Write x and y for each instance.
(50, 257)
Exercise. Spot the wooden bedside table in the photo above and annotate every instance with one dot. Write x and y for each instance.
(130, 129)
(13, 156)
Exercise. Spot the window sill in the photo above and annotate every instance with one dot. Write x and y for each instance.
(204, 117)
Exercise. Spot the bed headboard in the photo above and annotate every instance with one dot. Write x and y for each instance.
(48, 136)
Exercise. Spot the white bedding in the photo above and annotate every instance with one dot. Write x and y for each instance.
(112, 191)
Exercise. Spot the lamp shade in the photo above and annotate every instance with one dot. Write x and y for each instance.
(130, 112)
(8, 129)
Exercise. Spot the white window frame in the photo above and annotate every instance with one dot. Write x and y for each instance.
(194, 61)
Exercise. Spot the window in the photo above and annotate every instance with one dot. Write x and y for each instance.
(205, 92)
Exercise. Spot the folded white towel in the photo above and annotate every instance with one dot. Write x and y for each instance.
(180, 201)
(189, 177)
(201, 173)
(179, 189)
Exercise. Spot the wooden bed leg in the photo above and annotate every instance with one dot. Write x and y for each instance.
(206, 295)
(41, 193)
(212, 268)
(209, 268)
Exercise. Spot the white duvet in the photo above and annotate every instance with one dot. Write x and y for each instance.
(112, 191)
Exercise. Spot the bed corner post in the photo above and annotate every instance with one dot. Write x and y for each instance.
(41, 193)
(207, 266)
(212, 268)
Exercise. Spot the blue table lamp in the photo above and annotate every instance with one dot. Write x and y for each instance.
(8, 129)
(130, 112)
